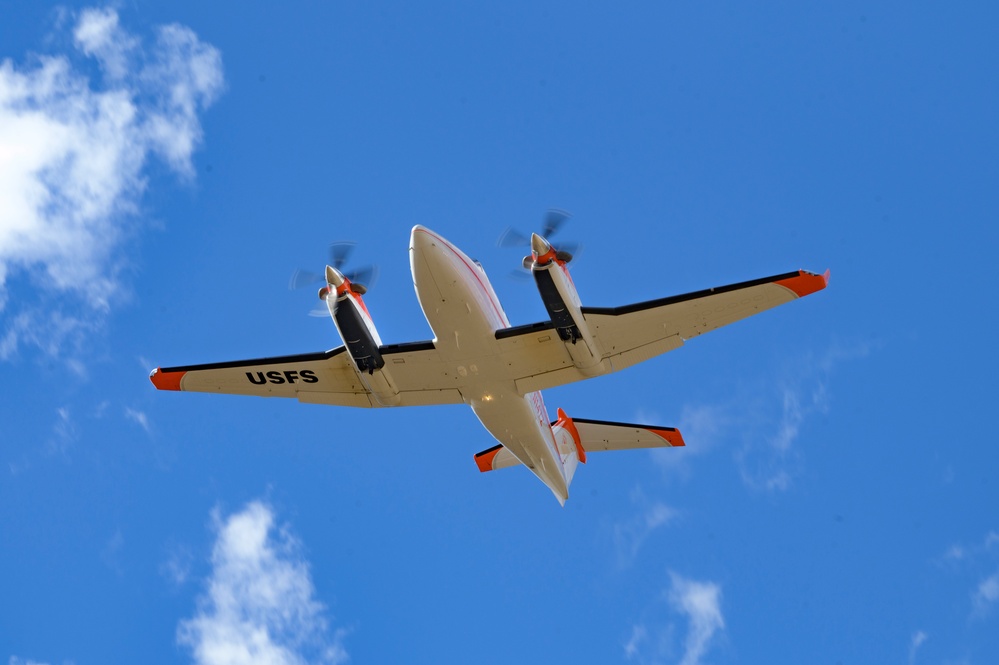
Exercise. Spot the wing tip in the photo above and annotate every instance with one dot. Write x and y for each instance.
(805, 283)
(166, 380)
(671, 435)
(484, 460)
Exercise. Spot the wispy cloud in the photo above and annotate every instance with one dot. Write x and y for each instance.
(763, 423)
(703, 426)
(72, 155)
(63, 433)
(976, 561)
(259, 605)
(632, 648)
(652, 643)
(986, 594)
(139, 418)
(631, 534)
(770, 458)
(14, 660)
(177, 566)
(917, 641)
(962, 553)
(111, 555)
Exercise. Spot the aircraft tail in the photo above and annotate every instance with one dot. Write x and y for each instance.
(575, 437)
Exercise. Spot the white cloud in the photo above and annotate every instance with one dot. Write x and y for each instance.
(98, 35)
(259, 606)
(72, 155)
(653, 639)
(701, 603)
(14, 660)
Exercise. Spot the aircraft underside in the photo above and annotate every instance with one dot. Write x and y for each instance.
(477, 358)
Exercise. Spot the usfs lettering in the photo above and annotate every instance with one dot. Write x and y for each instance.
(280, 377)
(259, 379)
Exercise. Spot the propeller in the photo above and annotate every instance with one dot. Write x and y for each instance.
(339, 254)
(554, 219)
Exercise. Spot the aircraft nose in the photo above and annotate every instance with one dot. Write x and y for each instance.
(419, 238)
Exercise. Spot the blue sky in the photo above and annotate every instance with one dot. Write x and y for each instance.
(165, 167)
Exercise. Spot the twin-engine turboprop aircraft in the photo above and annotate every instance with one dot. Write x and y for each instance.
(477, 358)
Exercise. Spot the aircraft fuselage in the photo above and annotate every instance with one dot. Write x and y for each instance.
(464, 313)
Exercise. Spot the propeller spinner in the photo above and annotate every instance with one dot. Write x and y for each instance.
(335, 275)
(553, 221)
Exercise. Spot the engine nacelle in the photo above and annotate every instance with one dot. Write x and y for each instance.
(353, 322)
(558, 293)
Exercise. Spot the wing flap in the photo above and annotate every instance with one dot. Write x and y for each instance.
(645, 352)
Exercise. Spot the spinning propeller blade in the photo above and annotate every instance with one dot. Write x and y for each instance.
(553, 221)
(339, 254)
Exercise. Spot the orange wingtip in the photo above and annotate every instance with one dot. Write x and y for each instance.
(166, 380)
(484, 460)
(805, 283)
(671, 435)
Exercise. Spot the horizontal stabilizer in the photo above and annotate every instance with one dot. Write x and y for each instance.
(606, 435)
(594, 435)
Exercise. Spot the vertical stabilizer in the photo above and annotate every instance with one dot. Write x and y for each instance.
(570, 448)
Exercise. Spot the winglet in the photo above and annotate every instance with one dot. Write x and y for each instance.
(805, 283)
(166, 380)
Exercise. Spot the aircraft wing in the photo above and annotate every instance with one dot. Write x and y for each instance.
(632, 333)
(327, 377)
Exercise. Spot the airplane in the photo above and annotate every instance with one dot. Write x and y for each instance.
(477, 358)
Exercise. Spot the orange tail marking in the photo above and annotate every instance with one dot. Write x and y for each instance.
(570, 427)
